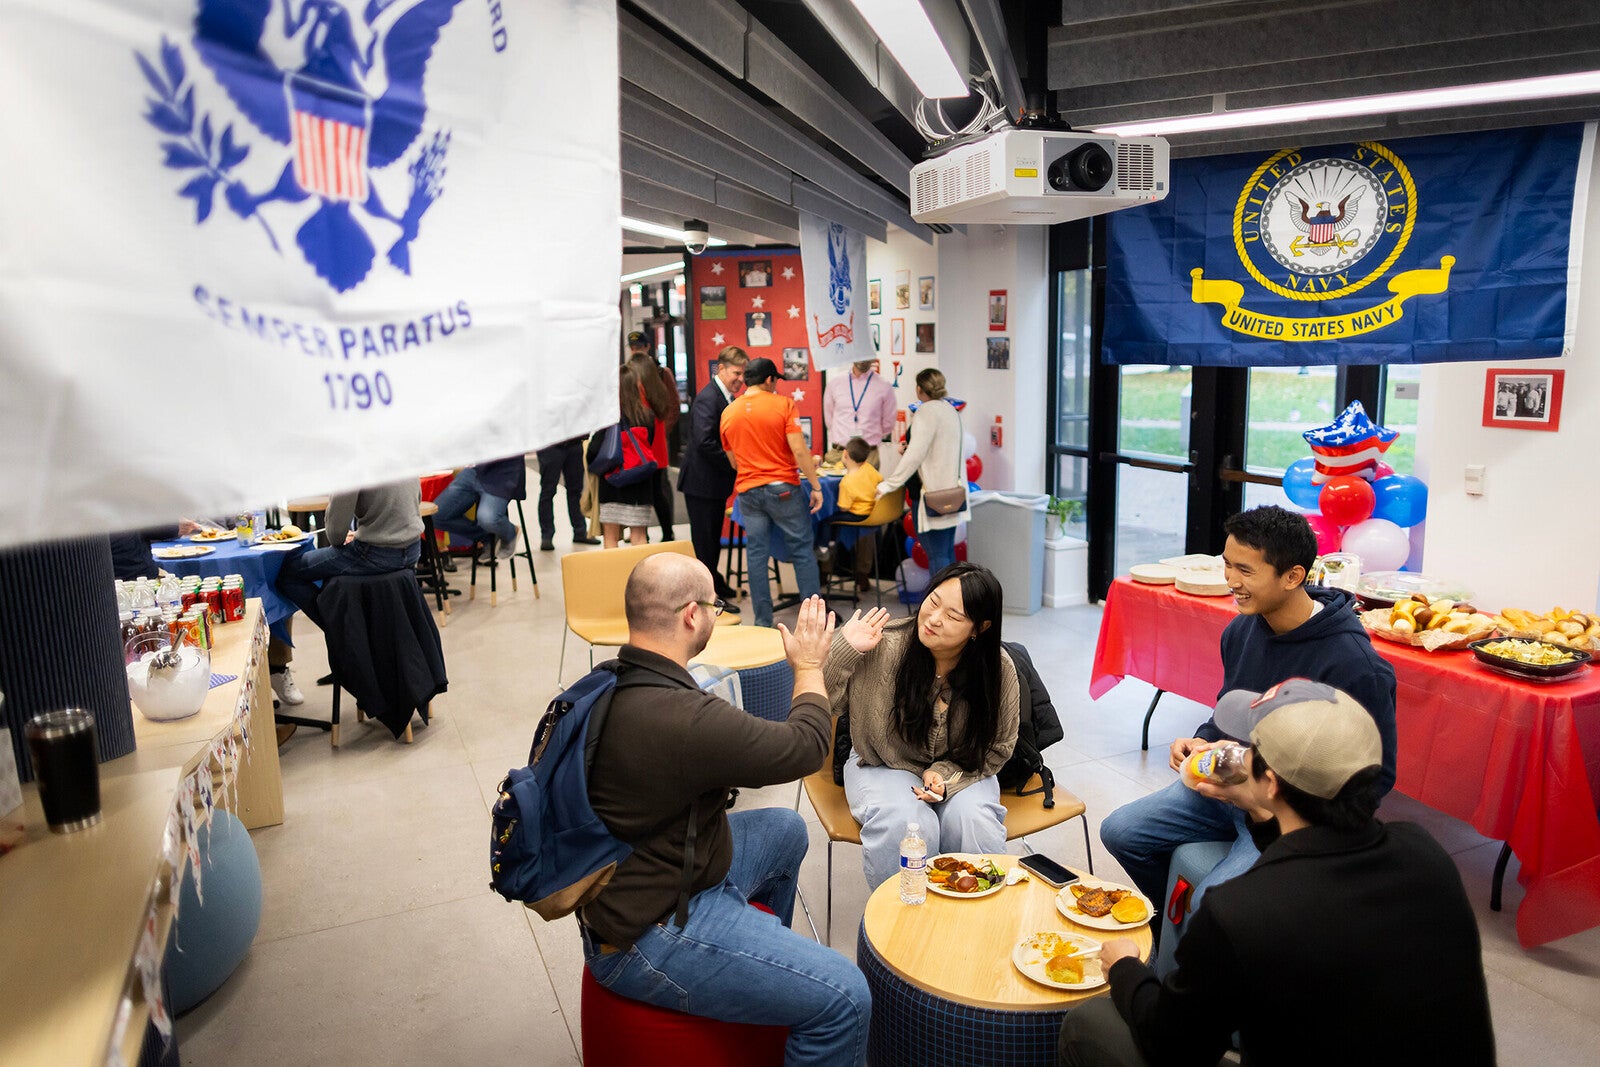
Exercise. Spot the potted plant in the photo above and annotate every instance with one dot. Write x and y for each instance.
(1058, 514)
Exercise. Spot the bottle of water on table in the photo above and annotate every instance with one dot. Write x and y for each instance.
(913, 866)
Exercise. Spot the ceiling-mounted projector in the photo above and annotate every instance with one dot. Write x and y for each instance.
(1039, 176)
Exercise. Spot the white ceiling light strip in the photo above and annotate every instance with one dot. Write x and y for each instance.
(655, 230)
(652, 272)
(906, 31)
(1550, 87)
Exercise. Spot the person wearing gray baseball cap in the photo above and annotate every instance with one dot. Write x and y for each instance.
(1344, 925)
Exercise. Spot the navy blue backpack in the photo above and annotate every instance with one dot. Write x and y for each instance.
(548, 848)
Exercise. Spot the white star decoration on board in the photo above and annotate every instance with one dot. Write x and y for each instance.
(716, 339)
(716, 266)
(794, 311)
(759, 302)
(798, 395)
(788, 273)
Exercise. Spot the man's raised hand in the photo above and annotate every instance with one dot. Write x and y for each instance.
(807, 646)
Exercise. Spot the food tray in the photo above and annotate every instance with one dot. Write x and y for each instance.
(1377, 622)
(1532, 671)
(1383, 588)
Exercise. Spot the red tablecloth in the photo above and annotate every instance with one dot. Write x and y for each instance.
(1517, 760)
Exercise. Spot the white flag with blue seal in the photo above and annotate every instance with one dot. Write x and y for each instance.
(252, 249)
(833, 259)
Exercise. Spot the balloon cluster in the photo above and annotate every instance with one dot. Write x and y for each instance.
(914, 571)
(1358, 503)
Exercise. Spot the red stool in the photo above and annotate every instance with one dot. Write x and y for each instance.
(620, 1032)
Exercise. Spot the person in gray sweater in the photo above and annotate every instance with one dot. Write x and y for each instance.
(934, 707)
(372, 531)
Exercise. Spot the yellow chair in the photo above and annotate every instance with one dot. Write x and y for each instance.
(1024, 816)
(886, 512)
(593, 583)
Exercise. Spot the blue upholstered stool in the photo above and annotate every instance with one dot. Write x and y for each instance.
(209, 940)
(756, 653)
(1191, 862)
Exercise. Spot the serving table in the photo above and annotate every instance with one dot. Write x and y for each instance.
(84, 917)
(944, 989)
(1519, 761)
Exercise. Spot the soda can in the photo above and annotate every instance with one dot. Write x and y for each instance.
(190, 597)
(200, 626)
(235, 579)
(213, 602)
(232, 603)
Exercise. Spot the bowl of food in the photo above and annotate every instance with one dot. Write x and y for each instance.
(1527, 658)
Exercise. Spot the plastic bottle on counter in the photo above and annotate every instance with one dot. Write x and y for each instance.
(913, 866)
(1228, 765)
(169, 595)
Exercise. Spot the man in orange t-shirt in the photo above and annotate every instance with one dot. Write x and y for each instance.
(761, 435)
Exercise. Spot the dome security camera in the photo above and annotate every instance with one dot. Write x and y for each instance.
(695, 236)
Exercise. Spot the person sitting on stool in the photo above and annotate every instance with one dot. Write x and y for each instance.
(387, 537)
(491, 486)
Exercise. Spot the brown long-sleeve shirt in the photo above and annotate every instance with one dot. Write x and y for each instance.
(664, 746)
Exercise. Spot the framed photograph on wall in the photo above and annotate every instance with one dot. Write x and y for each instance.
(805, 430)
(757, 334)
(902, 289)
(925, 337)
(796, 364)
(999, 353)
(874, 296)
(1522, 398)
(877, 342)
(755, 273)
(925, 293)
(713, 301)
(897, 337)
(997, 310)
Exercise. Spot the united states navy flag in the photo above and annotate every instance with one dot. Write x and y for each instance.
(1429, 250)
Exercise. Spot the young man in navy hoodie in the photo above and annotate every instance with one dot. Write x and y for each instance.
(1284, 630)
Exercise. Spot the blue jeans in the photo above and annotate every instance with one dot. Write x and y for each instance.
(1142, 835)
(881, 800)
(786, 507)
(463, 492)
(301, 574)
(940, 545)
(737, 964)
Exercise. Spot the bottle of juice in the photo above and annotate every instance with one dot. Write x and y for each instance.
(1228, 765)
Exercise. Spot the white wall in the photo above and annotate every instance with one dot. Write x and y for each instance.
(1532, 540)
(966, 266)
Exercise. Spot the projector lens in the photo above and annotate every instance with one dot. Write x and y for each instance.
(1087, 168)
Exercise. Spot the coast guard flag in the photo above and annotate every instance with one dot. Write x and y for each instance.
(254, 249)
(833, 259)
(1429, 250)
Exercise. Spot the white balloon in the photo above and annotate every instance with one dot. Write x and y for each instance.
(913, 577)
(969, 446)
(1381, 544)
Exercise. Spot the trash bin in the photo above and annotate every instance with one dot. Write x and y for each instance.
(1006, 534)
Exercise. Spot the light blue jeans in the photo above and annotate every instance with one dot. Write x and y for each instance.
(762, 509)
(738, 964)
(464, 491)
(1142, 836)
(881, 800)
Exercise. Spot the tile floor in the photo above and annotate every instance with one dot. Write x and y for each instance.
(381, 942)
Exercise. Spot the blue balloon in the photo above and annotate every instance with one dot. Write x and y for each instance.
(1298, 486)
(911, 542)
(1401, 498)
(973, 487)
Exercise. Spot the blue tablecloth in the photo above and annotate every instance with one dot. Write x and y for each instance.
(830, 504)
(258, 566)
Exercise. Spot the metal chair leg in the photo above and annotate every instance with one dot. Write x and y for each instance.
(1144, 740)
(799, 896)
(562, 663)
(526, 553)
(1499, 876)
(1088, 852)
(827, 921)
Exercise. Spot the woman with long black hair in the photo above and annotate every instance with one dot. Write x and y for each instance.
(933, 705)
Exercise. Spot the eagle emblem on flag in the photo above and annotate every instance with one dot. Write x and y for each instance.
(337, 91)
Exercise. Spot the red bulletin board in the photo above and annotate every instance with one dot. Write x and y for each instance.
(727, 290)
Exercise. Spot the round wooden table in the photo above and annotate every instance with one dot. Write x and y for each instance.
(943, 985)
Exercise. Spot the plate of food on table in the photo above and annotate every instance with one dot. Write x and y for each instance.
(961, 874)
(289, 535)
(183, 551)
(1530, 659)
(1104, 905)
(1060, 959)
(211, 533)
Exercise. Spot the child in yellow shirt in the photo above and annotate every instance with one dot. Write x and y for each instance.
(859, 489)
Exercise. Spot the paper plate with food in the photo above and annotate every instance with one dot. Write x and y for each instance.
(1059, 959)
(289, 535)
(211, 534)
(962, 874)
(1431, 624)
(1530, 660)
(1104, 905)
(183, 551)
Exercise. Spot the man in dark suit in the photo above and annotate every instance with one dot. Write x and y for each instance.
(706, 478)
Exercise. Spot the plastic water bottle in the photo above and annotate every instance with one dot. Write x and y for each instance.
(913, 866)
(169, 595)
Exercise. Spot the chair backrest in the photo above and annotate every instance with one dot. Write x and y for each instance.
(592, 583)
(887, 509)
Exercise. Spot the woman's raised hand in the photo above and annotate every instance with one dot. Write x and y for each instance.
(864, 632)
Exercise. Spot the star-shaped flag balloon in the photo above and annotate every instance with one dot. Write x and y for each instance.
(1350, 444)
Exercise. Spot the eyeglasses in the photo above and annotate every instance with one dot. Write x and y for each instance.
(716, 606)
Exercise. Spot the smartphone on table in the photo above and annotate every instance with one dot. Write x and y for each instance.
(1048, 870)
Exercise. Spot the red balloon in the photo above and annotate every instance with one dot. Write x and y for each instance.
(974, 468)
(1381, 470)
(919, 555)
(961, 551)
(909, 524)
(1329, 536)
(1347, 500)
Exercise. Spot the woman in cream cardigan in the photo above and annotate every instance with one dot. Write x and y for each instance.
(933, 705)
(934, 453)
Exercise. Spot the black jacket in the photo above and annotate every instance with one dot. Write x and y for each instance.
(706, 470)
(1336, 947)
(383, 646)
(505, 478)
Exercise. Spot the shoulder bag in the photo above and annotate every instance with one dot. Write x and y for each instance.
(949, 501)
